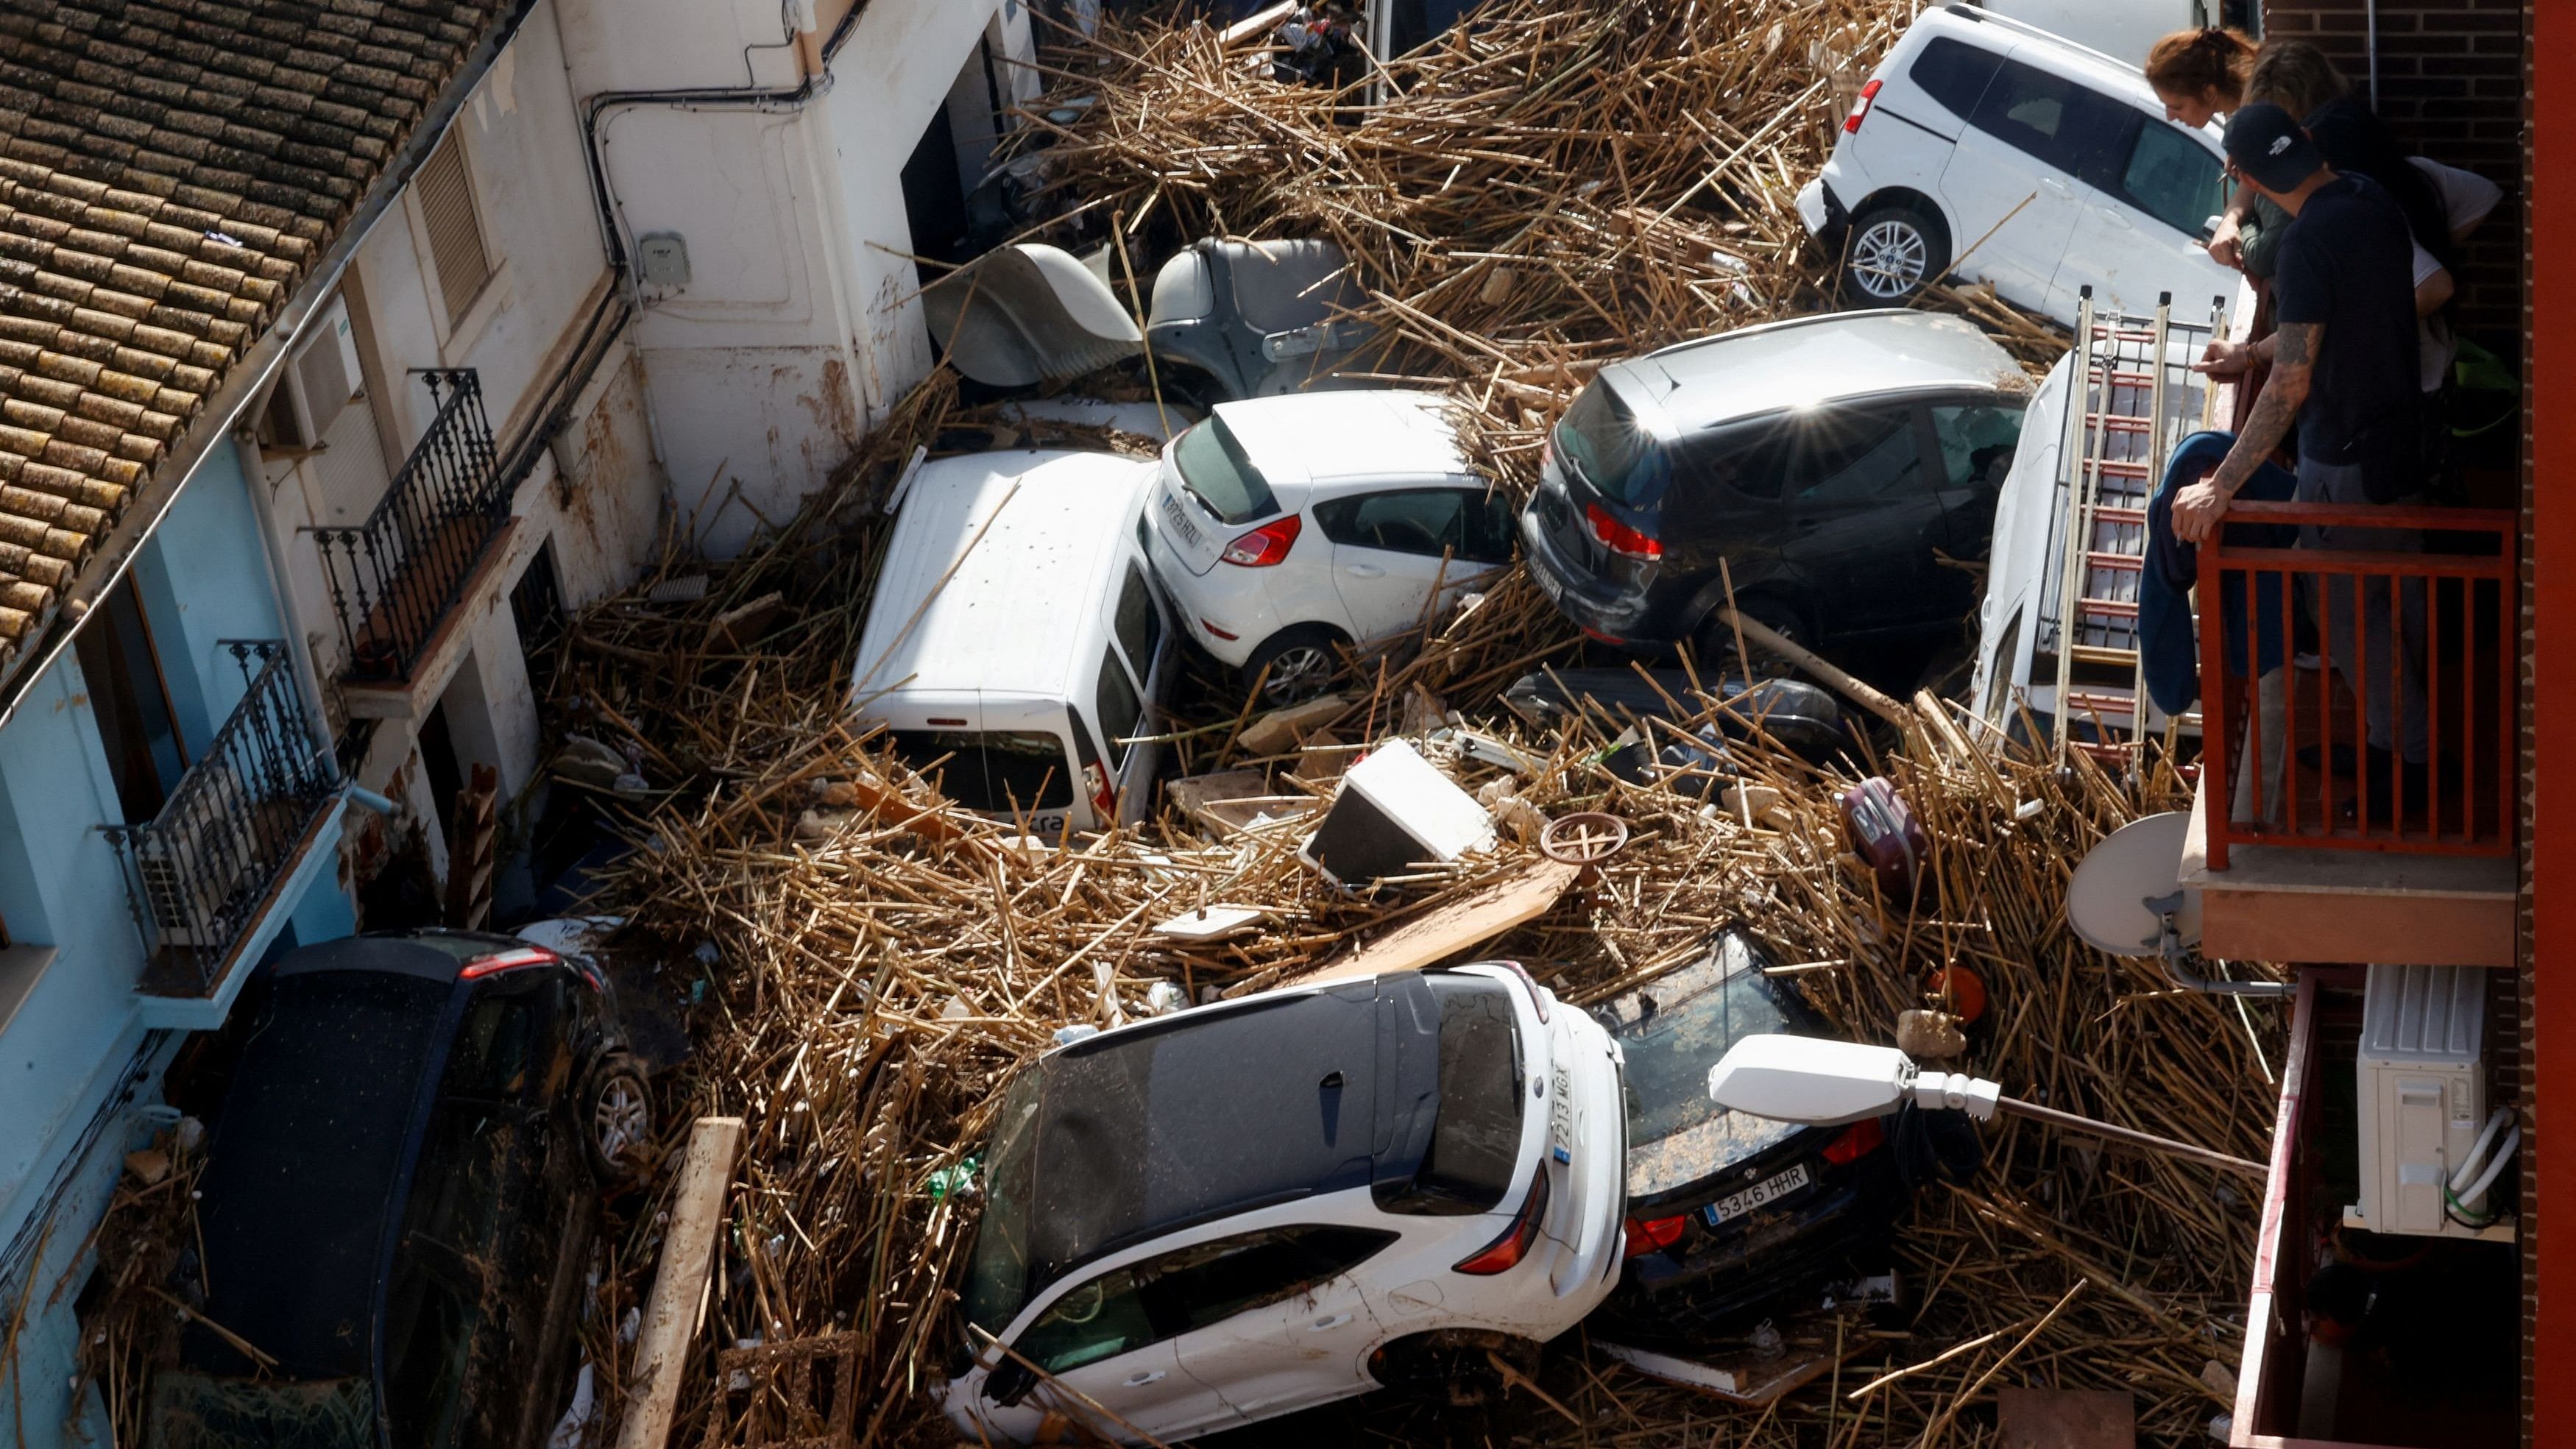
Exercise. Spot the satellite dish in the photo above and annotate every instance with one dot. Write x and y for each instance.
(2107, 901)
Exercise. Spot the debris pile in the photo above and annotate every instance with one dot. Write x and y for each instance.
(1559, 184)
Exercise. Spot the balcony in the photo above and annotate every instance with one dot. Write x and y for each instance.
(2306, 846)
(396, 578)
(205, 873)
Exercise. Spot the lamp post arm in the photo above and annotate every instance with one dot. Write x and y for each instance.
(2132, 1136)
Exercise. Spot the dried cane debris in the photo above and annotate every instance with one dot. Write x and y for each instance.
(1557, 185)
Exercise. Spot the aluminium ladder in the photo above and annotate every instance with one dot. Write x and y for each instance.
(2127, 406)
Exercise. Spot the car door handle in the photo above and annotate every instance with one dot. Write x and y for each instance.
(1809, 525)
(1364, 571)
(1138, 1381)
(2055, 187)
(2111, 217)
(1330, 1320)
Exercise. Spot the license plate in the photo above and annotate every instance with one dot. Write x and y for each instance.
(1179, 519)
(1548, 584)
(1560, 1110)
(1761, 1194)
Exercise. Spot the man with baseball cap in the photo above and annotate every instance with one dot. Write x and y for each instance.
(2344, 371)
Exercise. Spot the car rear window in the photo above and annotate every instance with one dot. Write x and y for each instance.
(1954, 73)
(990, 769)
(1220, 475)
(1671, 1031)
(1599, 439)
(1476, 1134)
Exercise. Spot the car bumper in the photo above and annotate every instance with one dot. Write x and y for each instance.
(1245, 611)
(1821, 211)
(1724, 1283)
(1608, 614)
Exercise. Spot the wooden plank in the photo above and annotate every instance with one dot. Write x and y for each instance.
(1851, 688)
(671, 1314)
(1516, 899)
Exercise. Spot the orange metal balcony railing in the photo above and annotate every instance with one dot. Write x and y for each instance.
(2433, 633)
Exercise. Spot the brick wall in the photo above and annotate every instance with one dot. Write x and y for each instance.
(2451, 86)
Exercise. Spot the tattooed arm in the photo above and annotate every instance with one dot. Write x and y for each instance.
(2198, 508)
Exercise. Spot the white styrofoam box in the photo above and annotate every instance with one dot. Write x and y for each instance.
(2422, 1089)
(1395, 808)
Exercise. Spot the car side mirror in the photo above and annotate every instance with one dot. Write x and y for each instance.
(1010, 1382)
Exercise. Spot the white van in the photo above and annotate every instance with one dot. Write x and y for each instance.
(1017, 649)
(1990, 147)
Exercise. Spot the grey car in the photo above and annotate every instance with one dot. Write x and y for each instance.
(1826, 463)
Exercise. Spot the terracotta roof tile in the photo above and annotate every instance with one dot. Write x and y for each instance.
(169, 169)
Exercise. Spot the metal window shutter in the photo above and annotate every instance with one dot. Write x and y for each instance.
(455, 235)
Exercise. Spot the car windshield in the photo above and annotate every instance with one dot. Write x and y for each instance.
(1598, 439)
(1476, 1134)
(1671, 1031)
(1220, 475)
(994, 770)
(997, 1280)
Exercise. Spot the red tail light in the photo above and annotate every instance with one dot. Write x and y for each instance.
(1619, 537)
(1266, 545)
(1654, 1234)
(507, 961)
(1104, 796)
(1857, 1141)
(1503, 1253)
(1860, 108)
(1220, 633)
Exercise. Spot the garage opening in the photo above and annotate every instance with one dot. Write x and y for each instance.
(949, 161)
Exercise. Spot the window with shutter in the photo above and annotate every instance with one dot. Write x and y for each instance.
(456, 250)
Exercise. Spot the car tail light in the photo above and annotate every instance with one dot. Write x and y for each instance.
(1619, 537)
(1860, 108)
(494, 965)
(1104, 796)
(1503, 1253)
(1266, 545)
(1220, 633)
(1857, 1141)
(1655, 1234)
(1538, 998)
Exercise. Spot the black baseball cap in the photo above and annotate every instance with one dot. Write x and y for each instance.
(2265, 143)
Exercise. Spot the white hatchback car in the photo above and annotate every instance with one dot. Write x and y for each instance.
(1285, 527)
(1988, 146)
(1254, 1207)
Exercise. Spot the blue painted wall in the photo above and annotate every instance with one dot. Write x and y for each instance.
(76, 1062)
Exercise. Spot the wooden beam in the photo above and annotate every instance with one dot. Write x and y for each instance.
(1516, 899)
(671, 1315)
(1757, 632)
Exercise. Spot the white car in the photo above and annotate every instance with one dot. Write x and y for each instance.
(1212, 1218)
(1284, 528)
(1989, 147)
(1016, 650)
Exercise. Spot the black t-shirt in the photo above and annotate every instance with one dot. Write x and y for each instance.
(2347, 263)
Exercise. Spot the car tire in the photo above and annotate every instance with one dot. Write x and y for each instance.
(1716, 638)
(1302, 661)
(617, 1121)
(1892, 253)
(1453, 1369)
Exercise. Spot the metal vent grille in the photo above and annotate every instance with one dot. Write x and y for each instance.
(455, 233)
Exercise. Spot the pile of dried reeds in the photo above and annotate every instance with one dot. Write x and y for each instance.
(1565, 182)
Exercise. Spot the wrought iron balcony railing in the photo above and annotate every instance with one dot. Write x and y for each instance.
(395, 577)
(200, 870)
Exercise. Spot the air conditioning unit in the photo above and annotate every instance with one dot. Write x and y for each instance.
(2423, 1100)
(320, 379)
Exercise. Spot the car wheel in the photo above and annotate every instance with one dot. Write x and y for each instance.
(1454, 1368)
(617, 1120)
(1301, 661)
(1892, 254)
(1717, 637)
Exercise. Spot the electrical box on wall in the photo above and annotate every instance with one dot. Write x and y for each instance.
(2426, 1134)
(662, 259)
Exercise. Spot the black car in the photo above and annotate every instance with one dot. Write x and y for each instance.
(1825, 463)
(1727, 1213)
(399, 1197)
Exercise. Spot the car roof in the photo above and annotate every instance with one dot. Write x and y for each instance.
(1830, 357)
(1010, 618)
(1208, 1113)
(306, 1155)
(431, 954)
(2051, 52)
(1318, 437)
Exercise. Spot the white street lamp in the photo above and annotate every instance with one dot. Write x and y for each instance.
(1822, 1083)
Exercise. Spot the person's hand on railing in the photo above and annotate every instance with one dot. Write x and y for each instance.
(2197, 508)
